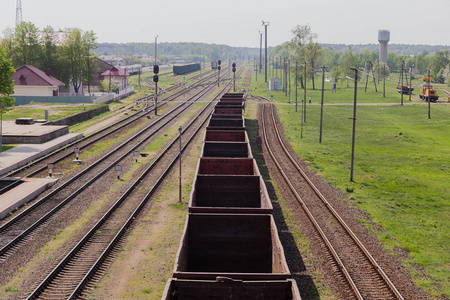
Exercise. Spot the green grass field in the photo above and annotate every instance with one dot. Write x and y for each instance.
(402, 167)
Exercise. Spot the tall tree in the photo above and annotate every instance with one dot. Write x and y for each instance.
(6, 86)
(313, 53)
(77, 45)
(6, 82)
(347, 61)
(439, 61)
(25, 45)
(304, 48)
(49, 42)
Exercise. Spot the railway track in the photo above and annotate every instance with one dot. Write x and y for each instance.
(85, 262)
(39, 166)
(363, 276)
(26, 225)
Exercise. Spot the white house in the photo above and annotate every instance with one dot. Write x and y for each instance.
(30, 81)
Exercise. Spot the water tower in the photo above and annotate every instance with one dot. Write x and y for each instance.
(383, 38)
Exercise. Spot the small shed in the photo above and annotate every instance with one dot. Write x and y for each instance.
(275, 84)
(30, 81)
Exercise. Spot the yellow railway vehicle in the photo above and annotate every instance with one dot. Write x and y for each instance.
(427, 92)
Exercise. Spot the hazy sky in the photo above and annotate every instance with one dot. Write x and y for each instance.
(237, 22)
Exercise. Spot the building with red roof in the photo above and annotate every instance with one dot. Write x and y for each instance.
(30, 81)
(117, 75)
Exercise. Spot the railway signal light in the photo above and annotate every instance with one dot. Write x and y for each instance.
(219, 62)
(156, 69)
(234, 69)
(155, 78)
(234, 65)
(218, 67)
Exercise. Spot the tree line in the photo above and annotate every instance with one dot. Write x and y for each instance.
(167, 52)
(67, 53)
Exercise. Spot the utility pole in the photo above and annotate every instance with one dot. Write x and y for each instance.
(276, 70)
(265, 24)
(304, 95)
(289, 64)
(354, 122)
(378, 69)
(156, 43)
(256, 72)
(139, 78)
(273, 66)
(296, 86)
(1, 124)
(429, 98)
(282, 75)
(384, 80)
(410, 81)
(366, 70)
(373, 75)
(401, 93)
(321, 104)
(285, 75)
(301, 119)
(179, 158)
(260, 51)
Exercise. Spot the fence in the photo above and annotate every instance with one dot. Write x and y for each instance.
(22, 100)
(113, 96)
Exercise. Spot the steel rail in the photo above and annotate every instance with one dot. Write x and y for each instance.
(308, 212)
(337, 216)
(334, 212)
(78, 289)
(129, 119)
(41, 220)
(86, 145)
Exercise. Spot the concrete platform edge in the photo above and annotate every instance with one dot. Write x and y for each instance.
(41, 153)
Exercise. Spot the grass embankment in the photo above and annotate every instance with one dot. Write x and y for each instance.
(401, 174)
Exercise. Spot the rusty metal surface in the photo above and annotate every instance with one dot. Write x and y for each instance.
(226, 136)
(228, 111)
(226, 149)
(236, 122)
(228, 288)
(241, 246)
(227, 166)
(225, 116)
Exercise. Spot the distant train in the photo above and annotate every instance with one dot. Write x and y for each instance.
(427, 92)
(185, 69)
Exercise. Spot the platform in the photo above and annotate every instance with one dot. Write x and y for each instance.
(36, 133)
(29, 189)
(22, 154)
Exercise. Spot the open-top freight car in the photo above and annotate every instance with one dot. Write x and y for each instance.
(225, 288)
(185, 69)
(238, 246)
(230, 248)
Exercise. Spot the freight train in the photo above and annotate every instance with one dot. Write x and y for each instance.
(230, 248)
(185, 69)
